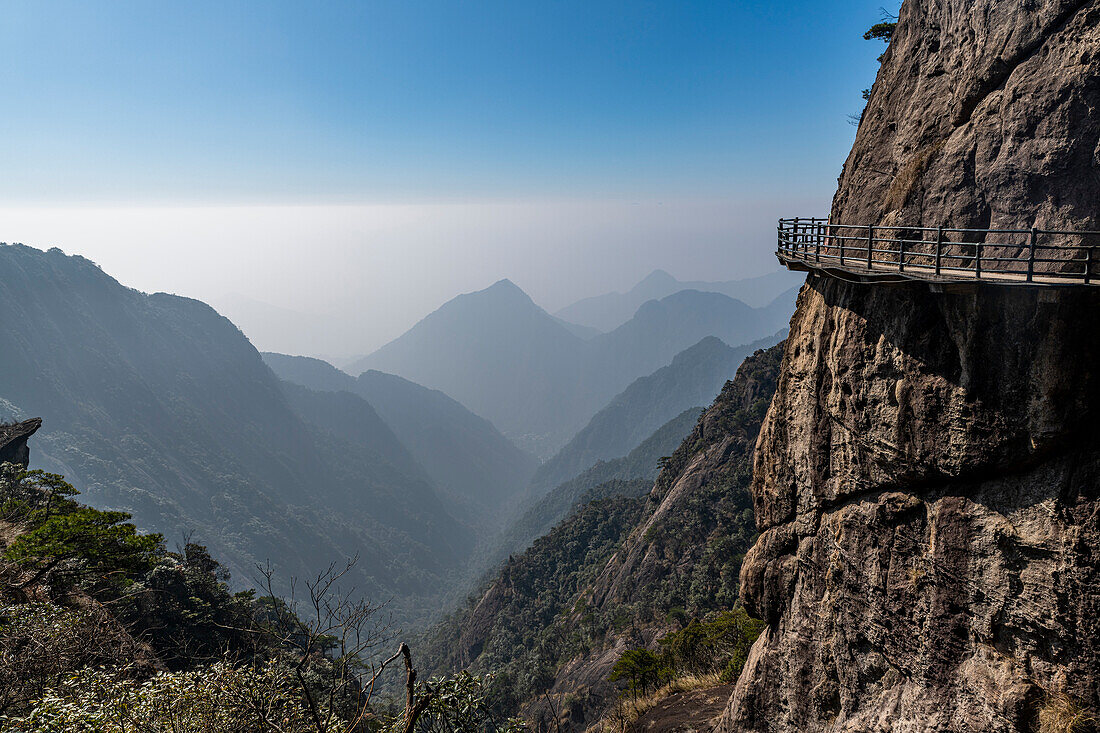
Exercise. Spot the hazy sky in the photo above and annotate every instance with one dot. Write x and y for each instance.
(361, 162)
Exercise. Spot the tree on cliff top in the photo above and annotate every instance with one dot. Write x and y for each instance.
(883, 31)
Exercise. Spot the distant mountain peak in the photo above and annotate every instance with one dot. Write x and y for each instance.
(657, 278)
(503, 291)
(505, 286)
(611, 310)
(707, 345)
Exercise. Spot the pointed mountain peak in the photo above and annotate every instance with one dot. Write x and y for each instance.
(504, 285)
(502, 291)
(657, 279)
(709, 345)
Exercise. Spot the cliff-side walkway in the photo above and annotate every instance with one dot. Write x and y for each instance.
(1037, 257)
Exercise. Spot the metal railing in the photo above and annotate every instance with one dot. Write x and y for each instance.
(1042, 256)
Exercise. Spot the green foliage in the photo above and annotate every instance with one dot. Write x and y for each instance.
(719, 643)
(882, 31)
(461, 703)
(522, 641)
(644, 669)
(97, 541)
(66, 540)
(184, 609)
(220, 698)
(30, 497)
(677, 616)
(121, 606)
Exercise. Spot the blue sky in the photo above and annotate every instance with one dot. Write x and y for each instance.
(201, 147)
(400, 99)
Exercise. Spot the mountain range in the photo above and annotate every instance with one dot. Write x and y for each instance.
(693, 379)
(609, 311)
(461, 452)
(157, 405)
(508, 360)
(629, 564)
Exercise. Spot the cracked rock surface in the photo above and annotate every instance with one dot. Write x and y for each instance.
(927, 479)
(13, 441)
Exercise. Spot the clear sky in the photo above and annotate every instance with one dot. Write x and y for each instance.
(412, 149)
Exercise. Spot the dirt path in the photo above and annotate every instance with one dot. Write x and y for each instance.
(686, 712)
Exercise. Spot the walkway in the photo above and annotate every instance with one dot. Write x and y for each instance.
(1036, 257)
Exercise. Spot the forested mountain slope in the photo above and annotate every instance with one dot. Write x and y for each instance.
(680, 557)
(157, 405)
(642, 463)
(462, 453)
(692, 379)
(513, 627)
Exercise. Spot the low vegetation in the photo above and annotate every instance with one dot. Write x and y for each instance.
(702, 654)
(511, 630)
(718, 644)
(627, 710)
(103, 629)
(1063, 714)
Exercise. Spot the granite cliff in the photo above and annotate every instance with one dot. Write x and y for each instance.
(13, 441)
(927, 479)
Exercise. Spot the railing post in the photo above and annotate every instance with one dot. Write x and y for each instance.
(794, 235)
(939, 249)
(841, 241)
(817, 241)
(901, 253)
(1088, 265)
(1031, 254)
(870, 245)
(978, 261)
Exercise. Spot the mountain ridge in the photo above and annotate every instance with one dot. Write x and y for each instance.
(462, 452)
(158, 405)
(609, 311)
(506, 359)
(693, 378)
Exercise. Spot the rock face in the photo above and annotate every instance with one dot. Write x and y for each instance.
(13, 441)
(983, 115)
(927, 480)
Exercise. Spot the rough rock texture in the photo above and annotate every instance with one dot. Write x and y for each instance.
(927, 481)
(13, 441)
(927, 490)
(983, 115)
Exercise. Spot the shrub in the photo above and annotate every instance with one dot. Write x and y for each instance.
(220, 698)
(460, 703)
(85, 541)
(41, 643)
(63, 540)
(643, 668)
(718, 644)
